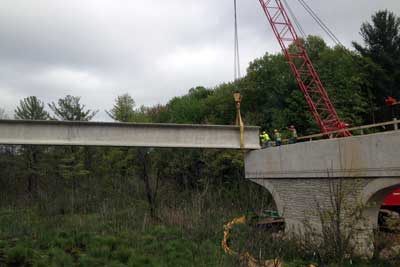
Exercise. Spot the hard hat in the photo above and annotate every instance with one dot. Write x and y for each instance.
(263, 132)
(275, 130)
(291, 126)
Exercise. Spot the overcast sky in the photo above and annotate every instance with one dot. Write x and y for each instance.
(152, 49)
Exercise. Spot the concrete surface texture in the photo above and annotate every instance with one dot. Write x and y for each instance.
(301, 178)
(126, 134)
(375, 155)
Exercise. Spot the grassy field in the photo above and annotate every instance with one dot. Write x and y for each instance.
(127, 238)
(28, 239)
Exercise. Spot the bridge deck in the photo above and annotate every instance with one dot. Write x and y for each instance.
(374, 155)
(126, 134)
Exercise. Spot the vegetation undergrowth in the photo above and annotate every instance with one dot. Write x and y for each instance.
(29, 238)
(88, 240)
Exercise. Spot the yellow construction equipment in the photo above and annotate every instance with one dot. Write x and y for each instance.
(245, 257)
(239, 121)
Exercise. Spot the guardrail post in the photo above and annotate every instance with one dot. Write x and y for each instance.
(362, 131)
(396, 126)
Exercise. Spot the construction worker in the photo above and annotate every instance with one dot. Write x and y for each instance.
(293, 134)
(265, 139)
(278, 137)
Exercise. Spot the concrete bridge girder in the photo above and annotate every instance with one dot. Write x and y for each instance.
(21, 132)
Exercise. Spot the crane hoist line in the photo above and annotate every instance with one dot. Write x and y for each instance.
(301, 66)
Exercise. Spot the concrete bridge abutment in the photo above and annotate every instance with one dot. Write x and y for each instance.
(307, 179)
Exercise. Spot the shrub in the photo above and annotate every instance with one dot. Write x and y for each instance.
(59, 258)
(19, 256)
(89, 261)
(142, 261)
(122, 254)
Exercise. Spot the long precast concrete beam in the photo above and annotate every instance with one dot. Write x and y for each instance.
(126, 134)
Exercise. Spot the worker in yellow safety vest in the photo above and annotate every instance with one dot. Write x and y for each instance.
(278, 137)
(293, 134)
(265, 139)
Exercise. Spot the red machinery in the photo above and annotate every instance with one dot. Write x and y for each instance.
(302, 68)
(390, 101)
(392, 200)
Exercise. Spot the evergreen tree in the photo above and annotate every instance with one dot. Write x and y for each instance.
(3, 115)
(31, 108)
(382, 46)
(71, 165)
(69, 109)
(123, 109)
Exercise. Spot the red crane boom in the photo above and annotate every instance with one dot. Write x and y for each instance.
(302, 68)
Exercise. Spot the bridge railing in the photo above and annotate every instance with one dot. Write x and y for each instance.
(359, 130)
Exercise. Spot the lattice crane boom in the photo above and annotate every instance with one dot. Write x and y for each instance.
(302, 68)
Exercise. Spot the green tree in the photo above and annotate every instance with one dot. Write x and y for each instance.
(190, 108)
(31, 108)
(140, 159)
(344, 81)
(3, 114)
(71, 164)
(219, 105)
(123, 109)
(315, 46)
(382, 45)
(272, 98)
(69, 108)
(158, 113)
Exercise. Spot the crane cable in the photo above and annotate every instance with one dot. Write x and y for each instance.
(327, 30)
(237, 74)
(295, 20)
(316, 18)
(320, 23)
